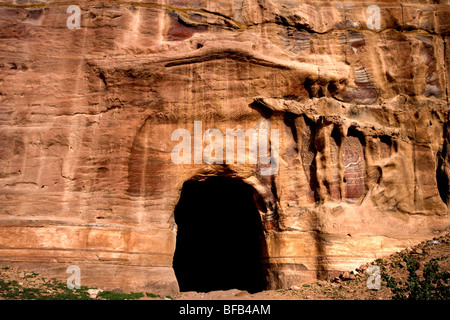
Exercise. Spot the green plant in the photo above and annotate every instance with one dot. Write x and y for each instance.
(109, 295)
(39, 288)
(433, 286)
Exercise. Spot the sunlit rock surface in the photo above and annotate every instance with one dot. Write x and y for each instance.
(87, 116)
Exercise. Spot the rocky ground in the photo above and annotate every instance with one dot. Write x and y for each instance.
(18, 284)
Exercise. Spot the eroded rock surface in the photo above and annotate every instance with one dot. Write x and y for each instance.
(87, 115)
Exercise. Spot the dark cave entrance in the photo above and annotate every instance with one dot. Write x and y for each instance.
(220, 239)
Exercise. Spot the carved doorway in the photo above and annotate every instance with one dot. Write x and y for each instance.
(220, 239)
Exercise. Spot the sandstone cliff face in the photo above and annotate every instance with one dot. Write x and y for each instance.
(359, 98)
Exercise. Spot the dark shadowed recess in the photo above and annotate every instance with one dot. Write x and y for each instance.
(220, 239)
